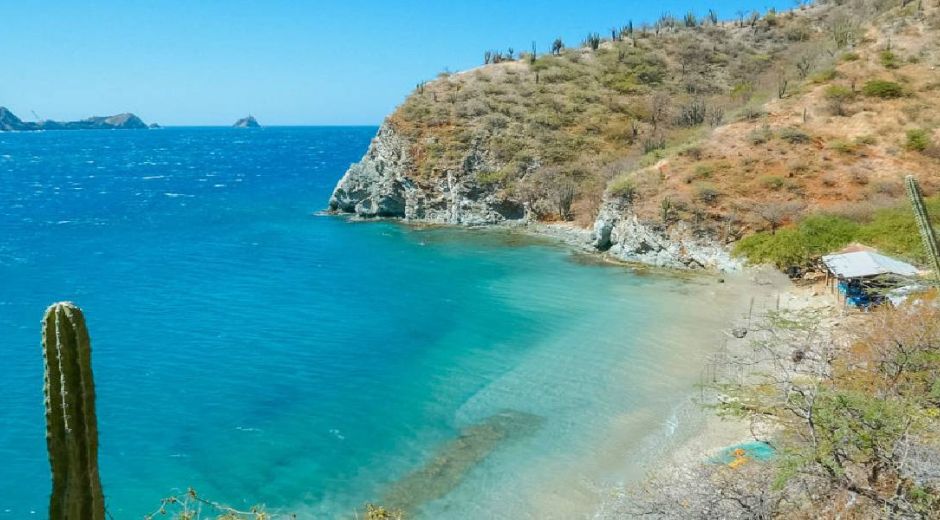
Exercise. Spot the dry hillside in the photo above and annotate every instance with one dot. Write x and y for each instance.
(735, 126)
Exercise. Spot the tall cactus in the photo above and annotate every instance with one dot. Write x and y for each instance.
(923, 223)
(71, 423)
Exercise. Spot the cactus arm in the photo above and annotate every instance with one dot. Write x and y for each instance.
(71, 423)
(927, 233)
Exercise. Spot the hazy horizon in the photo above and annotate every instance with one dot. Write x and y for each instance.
(209, 64)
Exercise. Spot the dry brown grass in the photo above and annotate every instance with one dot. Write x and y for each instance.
(599, 115)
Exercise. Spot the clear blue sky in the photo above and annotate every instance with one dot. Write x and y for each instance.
(208, 62)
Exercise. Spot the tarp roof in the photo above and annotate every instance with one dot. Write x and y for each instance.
(861, 264)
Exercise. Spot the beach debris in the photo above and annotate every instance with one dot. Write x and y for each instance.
(740, 458)
(739, 454)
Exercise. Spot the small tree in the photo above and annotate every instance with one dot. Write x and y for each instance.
(838, 96)
(776, 213)
(659, 109)
(557, 47)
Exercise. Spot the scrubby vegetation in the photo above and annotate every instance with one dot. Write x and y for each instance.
(193, 506)
(890, 229)
(883, 89)
(730, 121)
(851, 414)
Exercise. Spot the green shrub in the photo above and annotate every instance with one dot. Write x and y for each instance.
(823, 234)
(838, 95)
(823, 76)
(703, 171)
(850, 56)
(894, 231)
(843, 146)
(814, 236)
(489, 178)
(623, 186)
(838, 92)
(889, 60)
(782, 249)
(865, 140)
(917, 140)
(794, 136)
(706, 192)
(772, 182)
(890, 230)
(882, 89)
(760, 135)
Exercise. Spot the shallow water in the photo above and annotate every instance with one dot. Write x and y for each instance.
(260, 353)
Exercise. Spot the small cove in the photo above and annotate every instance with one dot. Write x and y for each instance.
(259, 353)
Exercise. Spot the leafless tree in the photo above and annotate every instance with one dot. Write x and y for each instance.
(776, 213)
(659, 109)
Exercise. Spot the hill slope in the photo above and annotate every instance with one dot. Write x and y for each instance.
(672, 140)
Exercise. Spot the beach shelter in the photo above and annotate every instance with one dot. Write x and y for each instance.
(860, 271)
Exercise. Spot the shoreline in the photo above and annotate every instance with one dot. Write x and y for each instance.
(690, 434)
(578, 240)
(704, 434)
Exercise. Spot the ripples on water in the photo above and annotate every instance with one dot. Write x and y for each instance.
(258, 353)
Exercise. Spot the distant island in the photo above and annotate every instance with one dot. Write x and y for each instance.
(126, 121)
(247, 122)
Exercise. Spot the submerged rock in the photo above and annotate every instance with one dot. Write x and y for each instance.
(451, 462)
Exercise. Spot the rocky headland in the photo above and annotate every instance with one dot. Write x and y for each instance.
(382, 185)
(9, 122)
(676, 142)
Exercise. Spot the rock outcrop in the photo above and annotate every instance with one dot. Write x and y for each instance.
(385, 184)
(618, 231)
(247, 122)
(10, 123)
(126, 121)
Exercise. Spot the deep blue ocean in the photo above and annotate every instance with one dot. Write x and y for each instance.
(261, 353)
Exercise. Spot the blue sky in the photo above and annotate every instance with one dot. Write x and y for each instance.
(187, 62)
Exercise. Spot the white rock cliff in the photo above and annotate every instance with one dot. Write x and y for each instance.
(384, 184)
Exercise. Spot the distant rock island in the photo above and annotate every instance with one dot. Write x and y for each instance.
(127, 121)
(247, 122)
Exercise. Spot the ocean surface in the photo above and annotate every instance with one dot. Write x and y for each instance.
(261, 353)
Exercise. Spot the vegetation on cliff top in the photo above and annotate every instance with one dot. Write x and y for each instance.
(740, 126)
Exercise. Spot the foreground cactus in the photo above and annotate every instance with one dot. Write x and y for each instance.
(71, 423)
(923, 223)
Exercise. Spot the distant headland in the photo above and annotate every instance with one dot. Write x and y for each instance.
(126, 121)
(247, 122)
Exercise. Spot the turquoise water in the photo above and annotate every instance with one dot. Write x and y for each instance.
(262, 354)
